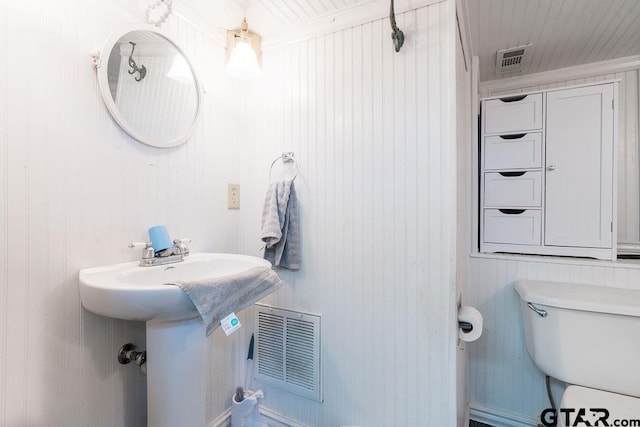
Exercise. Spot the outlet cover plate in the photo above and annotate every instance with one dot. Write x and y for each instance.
(233, 196)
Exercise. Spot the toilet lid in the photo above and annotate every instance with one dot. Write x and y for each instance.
(620, 406)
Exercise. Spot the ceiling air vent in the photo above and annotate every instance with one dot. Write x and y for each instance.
(510, 60)
(289, 350)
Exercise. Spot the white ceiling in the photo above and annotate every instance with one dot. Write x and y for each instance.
(266, 17)
(283, 21)
(271, 16)
(563, 32)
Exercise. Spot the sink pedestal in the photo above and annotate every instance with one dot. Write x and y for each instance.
(177, 373)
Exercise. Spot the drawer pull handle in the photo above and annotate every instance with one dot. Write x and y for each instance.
(516, 136)
(513, 98)
(512, 211)
(512, 173)
(551, 168)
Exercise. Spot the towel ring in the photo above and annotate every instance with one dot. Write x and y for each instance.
(286, 157)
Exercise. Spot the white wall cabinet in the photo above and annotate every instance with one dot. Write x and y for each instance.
(548, 173)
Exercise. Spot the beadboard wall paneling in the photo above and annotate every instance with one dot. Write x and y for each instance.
(4, 216)
(627, 146)
(464, 129)
(374, 137)
(74, 191)
(501, 374)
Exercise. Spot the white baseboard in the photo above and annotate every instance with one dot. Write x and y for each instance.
(223, 420)
(477, 412)
(498, 418)
(273, 419)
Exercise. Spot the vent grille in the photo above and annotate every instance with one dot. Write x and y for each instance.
(288, 347)
(510, 60)
(271, 345)
(513, 61)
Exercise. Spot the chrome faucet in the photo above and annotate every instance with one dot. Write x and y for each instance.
(176, 253)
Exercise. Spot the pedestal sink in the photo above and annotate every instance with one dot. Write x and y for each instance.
(177, 362)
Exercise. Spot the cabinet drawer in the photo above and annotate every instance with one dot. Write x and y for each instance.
(512, 226)
(507, 189)
(519, 151)
(513, 114)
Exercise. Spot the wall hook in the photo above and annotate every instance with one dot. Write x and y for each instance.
(142, 71)
(397, 35)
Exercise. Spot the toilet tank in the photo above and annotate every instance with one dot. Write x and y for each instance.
(590, 335)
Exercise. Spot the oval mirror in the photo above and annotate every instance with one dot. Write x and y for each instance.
(149, 86)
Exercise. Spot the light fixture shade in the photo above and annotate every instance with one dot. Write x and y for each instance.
(243, 62)
(243, 50)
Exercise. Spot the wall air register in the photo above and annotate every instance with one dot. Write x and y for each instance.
(288, 350)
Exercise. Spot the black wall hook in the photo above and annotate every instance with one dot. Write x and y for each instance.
(397, 35)
(142, 71)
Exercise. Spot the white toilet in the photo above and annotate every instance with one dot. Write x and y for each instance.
(587, 336)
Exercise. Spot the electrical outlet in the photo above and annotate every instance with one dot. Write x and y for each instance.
(233, 196)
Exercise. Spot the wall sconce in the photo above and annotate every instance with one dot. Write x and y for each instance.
(243, 52)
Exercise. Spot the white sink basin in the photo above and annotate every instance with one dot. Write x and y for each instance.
(128, 291)
(176, 342)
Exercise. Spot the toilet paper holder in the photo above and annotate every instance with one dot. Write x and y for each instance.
(465, 326)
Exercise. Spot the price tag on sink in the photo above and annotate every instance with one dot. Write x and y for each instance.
(230, 324)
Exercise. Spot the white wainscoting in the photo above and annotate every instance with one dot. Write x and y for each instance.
(374, 136)
(74, 191)
(464, 134)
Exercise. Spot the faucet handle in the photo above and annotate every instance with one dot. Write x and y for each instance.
(182, 244)
(147, 249)
(140, 245)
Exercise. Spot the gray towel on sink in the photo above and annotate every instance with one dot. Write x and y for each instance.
(281, 226)
(217, 298)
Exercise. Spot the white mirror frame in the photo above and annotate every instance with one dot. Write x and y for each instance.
(100, 62)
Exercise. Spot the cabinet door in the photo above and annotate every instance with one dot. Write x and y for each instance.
(579, 167)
